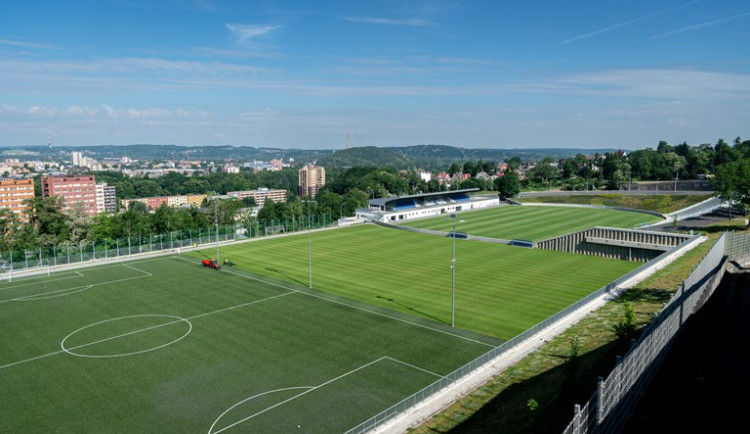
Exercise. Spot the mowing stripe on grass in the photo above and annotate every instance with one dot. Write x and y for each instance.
(356, 307)
(533, 223)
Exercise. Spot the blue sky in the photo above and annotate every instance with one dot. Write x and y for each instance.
(303, 74)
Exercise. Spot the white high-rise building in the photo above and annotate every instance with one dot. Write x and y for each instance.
(78, 159)
(105, 198)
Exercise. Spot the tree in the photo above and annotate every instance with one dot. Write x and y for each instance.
(47, 223)
(508, 185)
(10, 227)
(79, 225)
(732, 182)
(513, 162)
(268, 212)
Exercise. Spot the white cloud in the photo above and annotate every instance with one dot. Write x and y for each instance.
(42, 110)
(701, 25)
(626, 23)
(81, 111)
(131, 113)
(411, 22)
(245, 32)
(24, 44)
(124, 66)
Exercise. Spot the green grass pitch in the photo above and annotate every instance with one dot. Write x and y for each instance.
(165, 345)
(500, 290)
(532, 222)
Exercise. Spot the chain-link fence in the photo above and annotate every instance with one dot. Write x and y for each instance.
(738, 245)
(448, 380)
(70, 253)
(617, 395)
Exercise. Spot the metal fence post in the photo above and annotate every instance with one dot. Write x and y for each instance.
(599, 401)
(54, 254)
(577, 418)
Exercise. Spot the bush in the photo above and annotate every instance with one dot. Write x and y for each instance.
(626, 327)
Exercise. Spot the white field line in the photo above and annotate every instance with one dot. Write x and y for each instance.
(201, 315)
(355, 307)
(44, 281)
(137, 269)
(309, 389)
(41, 296)
(414, 367)
(145, 329)
(32, 297)
(78, 347)
(210, 430)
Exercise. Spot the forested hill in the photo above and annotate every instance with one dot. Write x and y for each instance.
(366, 156)
(431, 157)
(438, 157)
(452, 153)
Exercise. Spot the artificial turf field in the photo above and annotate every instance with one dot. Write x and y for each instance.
(534, 223)
(165, 345)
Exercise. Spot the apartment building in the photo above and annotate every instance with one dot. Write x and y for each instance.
(311, 178)
(260, 195)
(74, 190)
(13, 194)
(106, 199)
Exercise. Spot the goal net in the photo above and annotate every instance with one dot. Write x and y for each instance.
(274, 229)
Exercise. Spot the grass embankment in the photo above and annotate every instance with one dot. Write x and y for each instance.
(552, 379)
(663, 203)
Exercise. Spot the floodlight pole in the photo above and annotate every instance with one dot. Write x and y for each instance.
(309, 244)
(216, 221)
(453, 272)
(341, 211)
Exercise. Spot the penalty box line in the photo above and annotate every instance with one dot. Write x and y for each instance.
(355, 307)
(308, 390)
(73, 290)
(37, 282)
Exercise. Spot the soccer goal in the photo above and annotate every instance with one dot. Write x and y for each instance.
(274, 229)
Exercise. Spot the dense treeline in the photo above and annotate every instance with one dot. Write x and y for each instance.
(174, 183)
(350, 188)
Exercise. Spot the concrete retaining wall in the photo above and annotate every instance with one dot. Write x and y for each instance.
(614, 243)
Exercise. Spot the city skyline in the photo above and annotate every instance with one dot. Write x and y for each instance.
(297, 75)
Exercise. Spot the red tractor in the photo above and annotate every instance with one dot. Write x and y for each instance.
(213, 263)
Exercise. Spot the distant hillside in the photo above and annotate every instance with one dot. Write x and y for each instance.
(430, 157)
(366, 156)
(452, 153)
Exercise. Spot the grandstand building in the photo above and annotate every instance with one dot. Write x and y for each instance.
(400, 208)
